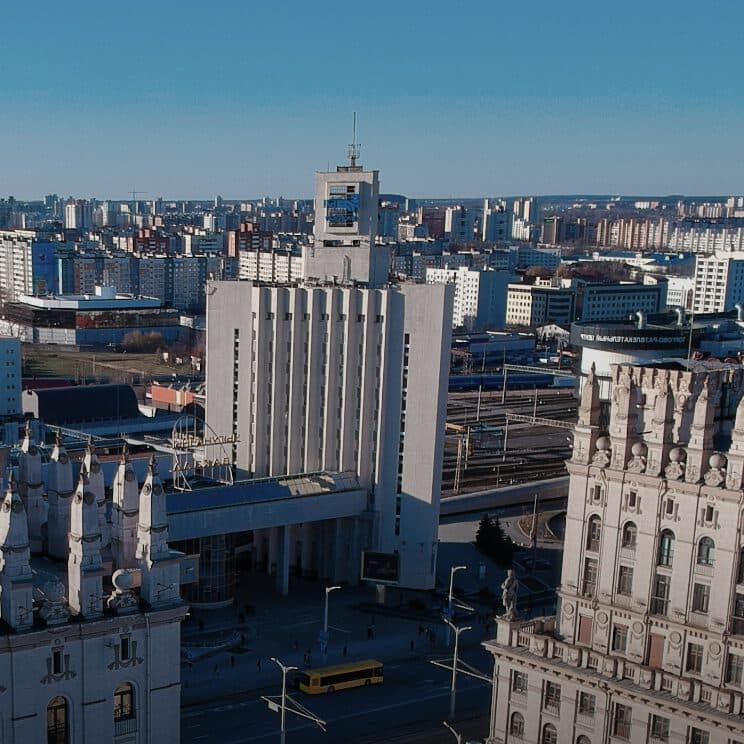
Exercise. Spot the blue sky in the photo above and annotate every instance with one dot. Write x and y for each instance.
(191, 99)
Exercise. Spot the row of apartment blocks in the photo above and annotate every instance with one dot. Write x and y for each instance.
(643, 234)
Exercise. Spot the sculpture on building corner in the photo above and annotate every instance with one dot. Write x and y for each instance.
(509, 595)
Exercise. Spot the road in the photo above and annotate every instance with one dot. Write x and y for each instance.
(414, 698)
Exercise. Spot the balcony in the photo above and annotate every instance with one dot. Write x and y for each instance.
(124, 726)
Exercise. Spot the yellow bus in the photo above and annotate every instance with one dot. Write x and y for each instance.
(332, 678)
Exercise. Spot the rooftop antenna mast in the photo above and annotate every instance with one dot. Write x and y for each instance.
(354, 147)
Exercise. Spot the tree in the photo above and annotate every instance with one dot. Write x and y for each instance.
(538, 272)
(136, 341)
(492, 542)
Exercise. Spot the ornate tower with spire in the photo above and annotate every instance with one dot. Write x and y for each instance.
(31, 488)
(16, 590)
(84, 564)
(97, 487)
(158, 563)
(125, 509)
(59, 491)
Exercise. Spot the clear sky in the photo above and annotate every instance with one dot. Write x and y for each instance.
(478, 97)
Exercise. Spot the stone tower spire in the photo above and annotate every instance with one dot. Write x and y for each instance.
(97, 487)
(124, 512)
(84, 565)
(16, 590)
(159, 564)
(59, 490)
(31, 488)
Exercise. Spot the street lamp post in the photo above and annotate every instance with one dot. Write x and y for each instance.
(324, 634)
(285, 670)
(454, 664)
(456, 734)
(453, 571)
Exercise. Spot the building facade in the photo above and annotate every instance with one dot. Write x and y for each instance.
(719, 281)
(90, 608)
(339, 379)
(531, 306)
(648, 642)
(480, 296)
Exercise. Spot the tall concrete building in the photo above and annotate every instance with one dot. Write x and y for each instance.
(480, 296)
(719, 281)
(648, 642)
(347, 376)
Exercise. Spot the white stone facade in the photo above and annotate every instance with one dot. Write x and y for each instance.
(339, 379)
(648, 645)
(85, 654)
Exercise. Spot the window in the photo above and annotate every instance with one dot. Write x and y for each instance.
(622, 720)
(698, 736)
(57, 661)
(666, 548)
(737, 622)
(619, 638)
(694, 662)
(740, 572)
(594, 530)
(632, 499)
(552, 697)
(587, 704)
(590, 577)
(625, 581)
(706, 552)
(516, 727)
(660, 597)
(583, 740)
(549, 734)
(125, 648)
(735, 669)
(124, 711)
(519, 683)
(58, 726)
(630, 532)
(700, 597)
(660, 728)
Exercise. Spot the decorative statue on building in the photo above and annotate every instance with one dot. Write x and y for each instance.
(509, 595)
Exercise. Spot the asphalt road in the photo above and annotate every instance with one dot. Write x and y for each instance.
(412, 702)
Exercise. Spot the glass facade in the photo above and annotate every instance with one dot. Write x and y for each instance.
(217, 574)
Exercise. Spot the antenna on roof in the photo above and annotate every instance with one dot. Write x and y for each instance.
(354, 147)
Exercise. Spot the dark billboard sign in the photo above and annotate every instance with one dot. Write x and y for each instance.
(384, 568)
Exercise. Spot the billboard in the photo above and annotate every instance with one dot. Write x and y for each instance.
(383, 568)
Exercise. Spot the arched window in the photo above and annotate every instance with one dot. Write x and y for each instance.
(516, 728)
(549, 734)
(583, 740)
(125, 713)
(706, 552)
(593, 532)
(58, 721)
(630, 533)
(666, 548)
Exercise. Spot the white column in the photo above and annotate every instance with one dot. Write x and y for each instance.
(282, 569)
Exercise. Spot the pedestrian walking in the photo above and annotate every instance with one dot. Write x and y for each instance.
(258, 664)
(232, 660)
(413, 644)
(345, 649)
(296, 644)
(216, 670)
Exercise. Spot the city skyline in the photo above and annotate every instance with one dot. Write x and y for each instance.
(251, 101)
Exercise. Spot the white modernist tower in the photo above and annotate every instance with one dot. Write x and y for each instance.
(648, 644)
(342, 377)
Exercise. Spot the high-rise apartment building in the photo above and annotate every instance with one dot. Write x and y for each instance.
(719, 281)
(480, 296)
(648, 642)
